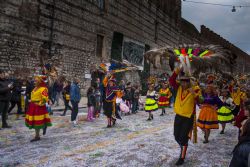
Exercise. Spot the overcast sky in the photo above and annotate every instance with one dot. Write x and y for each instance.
(233, 26)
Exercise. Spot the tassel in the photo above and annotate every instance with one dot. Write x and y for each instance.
(195, 130)
(188, 66)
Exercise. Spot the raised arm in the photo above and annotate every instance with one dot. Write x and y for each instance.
(172, 79)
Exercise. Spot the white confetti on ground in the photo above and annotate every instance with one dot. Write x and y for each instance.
(133, 142)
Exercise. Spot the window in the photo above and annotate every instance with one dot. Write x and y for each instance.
(99, 45)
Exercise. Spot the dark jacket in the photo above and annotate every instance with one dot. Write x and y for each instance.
(241, 153)
(66, 90)
(16, 91)
(5, 92)
(29, 87)
(91, 100)
(58, 87)
(128, 95)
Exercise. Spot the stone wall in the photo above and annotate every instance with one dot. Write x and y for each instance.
(243, 59)
(67, 30)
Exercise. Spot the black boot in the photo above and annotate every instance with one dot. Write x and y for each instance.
(179, 162)
(6, 126)
(109, 123)
(182, 156)
(162, 113)
(44, 130)
(35, 139)
(152, 117)
(64, 113)
(149, 119)
(113, 121)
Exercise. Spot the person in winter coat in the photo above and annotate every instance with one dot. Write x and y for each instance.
(29, 87)
(16, 97)
(241, 151)
(75, 98)
(135, 99)
(91, 104)
(58, 89)
(66, 97)
(98, 100)
(5, 95)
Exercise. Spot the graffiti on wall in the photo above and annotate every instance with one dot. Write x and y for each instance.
(133, 51)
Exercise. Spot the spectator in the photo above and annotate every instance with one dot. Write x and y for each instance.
(99, 93)
(135, 99)
(242, 149)
(91, 103)
(29, 87)
(98, 99)
(16, 97)
(5, 95)
(66, 97)
(58, 90)
(128, 95)
(75, 98)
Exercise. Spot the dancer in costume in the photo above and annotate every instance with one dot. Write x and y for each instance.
(225, 114)
(164, 99)
(151, 101)
(109, 104)
(184, 107)
(37, 117)
(242, 116)
(208, 118)
(238, 97)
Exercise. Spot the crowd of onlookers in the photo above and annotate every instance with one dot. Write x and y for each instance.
(17, 92)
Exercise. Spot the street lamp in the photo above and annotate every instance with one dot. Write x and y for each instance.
(233, 10)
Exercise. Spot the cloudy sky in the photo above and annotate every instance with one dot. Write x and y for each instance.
(233, 26)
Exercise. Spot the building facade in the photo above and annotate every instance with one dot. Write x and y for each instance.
(77, 35)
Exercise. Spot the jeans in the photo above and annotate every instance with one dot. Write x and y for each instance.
(58, 96)
(135, 104)
(74, 110)
(4, 105)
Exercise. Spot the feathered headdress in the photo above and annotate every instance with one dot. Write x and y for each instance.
(194, 58)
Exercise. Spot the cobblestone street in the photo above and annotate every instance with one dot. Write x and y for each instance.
(133, 142)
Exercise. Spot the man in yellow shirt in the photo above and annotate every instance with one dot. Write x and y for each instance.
(184, 107)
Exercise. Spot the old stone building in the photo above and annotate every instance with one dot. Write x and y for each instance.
(77, 35)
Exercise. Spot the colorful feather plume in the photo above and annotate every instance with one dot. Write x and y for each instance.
(116, 66)
(194, 58)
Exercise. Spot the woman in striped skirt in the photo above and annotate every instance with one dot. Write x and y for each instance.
(37, 116)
